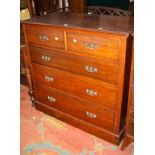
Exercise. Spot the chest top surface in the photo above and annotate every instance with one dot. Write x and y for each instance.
(101, 23)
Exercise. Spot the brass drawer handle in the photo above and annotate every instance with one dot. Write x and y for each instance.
(43, 38)
(90, 45)
(91, 69)
(56, 38)
(91, 115)
(91, 92)
(48, 78)
(45, 58)
(75, 40)
(51, 99)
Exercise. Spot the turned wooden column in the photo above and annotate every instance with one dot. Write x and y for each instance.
(27, 72)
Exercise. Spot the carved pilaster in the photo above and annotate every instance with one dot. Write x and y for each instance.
(28, 74)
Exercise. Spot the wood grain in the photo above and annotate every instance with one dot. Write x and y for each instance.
(108, 24)
(48, 37)
(129, 127)
(104, 47)
(76, 107)
(86, 126)
(92, 99)
(76, 85)
(106, 71)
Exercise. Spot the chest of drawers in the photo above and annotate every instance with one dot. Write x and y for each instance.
(79, 68)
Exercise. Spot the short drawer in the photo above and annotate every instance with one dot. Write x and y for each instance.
(85, 88)
(90, 67)
(131, 124)
(87, 111)
(93, 45)
(45, 36)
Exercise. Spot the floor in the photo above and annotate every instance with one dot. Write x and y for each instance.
(44, 135)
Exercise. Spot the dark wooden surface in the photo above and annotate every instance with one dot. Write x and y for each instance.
(106, 71)
(35, 32)
(77, 6)
(42, 6)
(76, 107)
(76, 85)
(79, 123)
(129, 128)
(60, 54)
(23, 79)
(102, 10)
(106, 47)
(118, 25)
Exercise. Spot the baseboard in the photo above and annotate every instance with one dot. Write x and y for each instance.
(90, 128)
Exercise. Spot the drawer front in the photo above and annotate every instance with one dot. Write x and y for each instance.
(92, 113)
(45, 36)
(101, 70)
(93, 45)
(131, 124)
(86, 88)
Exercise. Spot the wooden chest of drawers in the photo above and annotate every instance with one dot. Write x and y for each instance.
(79, 67)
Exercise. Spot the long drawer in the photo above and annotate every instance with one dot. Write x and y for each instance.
(48, 36)
(102, 70)
(86, 88)
(90, 112)
(93, 45)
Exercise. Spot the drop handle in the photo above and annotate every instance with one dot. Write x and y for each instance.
(45, 58)
(51, 99)
(56, 38)
(49, 78)
(91, 92)
(90, 45)
(75, 40)
(90, 69)
(91, 115)
(43, 37)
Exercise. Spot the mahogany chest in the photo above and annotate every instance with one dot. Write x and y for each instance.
(79, 70)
